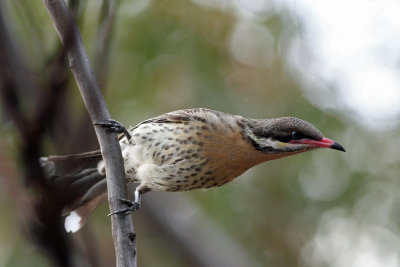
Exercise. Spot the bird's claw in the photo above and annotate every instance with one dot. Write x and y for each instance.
(132, 207)
(114, 127)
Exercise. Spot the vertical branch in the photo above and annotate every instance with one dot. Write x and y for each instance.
(122, 227)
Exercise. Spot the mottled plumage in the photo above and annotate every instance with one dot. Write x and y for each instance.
(190, 149)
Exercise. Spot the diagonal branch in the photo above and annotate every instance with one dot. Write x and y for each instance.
(122, 227)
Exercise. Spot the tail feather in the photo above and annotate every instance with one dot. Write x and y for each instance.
(84, 183)
(78, 217)
(89, 195)
(85, 188)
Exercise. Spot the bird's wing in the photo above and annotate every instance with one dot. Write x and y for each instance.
(178, 116)
(174, 116)
(181, 116)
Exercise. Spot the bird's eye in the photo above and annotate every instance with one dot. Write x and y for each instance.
(296, 135)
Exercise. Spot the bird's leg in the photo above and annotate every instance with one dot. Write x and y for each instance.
(132, 205)
(115, 127)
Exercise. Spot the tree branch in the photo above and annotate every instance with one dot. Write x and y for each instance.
(122, 226)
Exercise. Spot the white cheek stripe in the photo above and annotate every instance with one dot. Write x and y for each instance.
(263, 141)
(272, 143)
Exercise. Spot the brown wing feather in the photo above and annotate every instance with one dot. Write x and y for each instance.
(76, 156)
(56, 166)
(179, 116)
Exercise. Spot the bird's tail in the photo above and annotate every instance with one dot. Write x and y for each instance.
(85, 188)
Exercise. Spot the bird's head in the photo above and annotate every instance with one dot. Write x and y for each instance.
(286, 135)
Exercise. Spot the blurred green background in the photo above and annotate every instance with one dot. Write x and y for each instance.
(323, 208)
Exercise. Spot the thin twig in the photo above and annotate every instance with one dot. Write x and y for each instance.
(103, 40)
(122, 226)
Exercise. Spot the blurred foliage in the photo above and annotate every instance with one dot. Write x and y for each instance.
(169, 55)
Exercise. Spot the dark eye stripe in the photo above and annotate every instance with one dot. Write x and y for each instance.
(284, 138)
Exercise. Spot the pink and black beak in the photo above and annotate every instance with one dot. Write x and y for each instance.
(324, 142)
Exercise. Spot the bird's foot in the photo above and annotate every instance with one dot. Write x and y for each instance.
(114, 127)
(132, 207)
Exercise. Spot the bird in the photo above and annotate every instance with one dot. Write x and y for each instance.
(179, 151)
